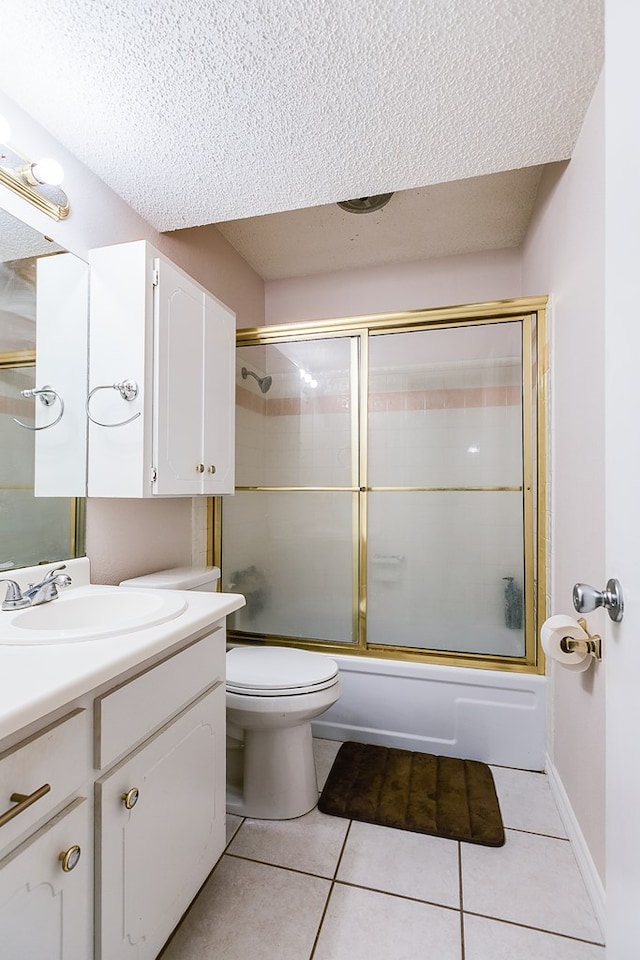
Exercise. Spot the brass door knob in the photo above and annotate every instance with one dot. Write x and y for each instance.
(211, 468)
(130, 798)
(69, 858)
(199, 467)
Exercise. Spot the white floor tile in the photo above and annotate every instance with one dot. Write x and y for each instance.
(526, 802)
(397, 861)
(363, 925)
(311, 843)
(324, 752)
(492, 940)
(249, 910)
(532, 880)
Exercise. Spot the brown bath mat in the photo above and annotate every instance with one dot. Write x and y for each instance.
(442, 796)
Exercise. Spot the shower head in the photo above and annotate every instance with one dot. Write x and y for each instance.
(263, 382)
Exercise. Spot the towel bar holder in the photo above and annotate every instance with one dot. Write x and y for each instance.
(48, 396)
(128, 390)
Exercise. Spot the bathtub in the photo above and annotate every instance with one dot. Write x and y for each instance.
(488, 715)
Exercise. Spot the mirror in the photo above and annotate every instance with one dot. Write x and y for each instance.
(33, 529)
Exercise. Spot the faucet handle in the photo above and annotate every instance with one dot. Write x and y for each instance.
(13, 599)
(50, 574)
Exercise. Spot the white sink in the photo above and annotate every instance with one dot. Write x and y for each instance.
(90, 613)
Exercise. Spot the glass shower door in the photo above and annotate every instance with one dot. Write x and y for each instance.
(446, 494)
(289, 539)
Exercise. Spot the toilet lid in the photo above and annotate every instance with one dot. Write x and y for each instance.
(278, 670)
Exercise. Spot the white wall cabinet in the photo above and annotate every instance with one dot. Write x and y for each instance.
(155, 738)
(153, 325)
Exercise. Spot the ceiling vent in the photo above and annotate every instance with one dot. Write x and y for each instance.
(366, 204)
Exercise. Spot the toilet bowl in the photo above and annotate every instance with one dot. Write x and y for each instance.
(273, 694)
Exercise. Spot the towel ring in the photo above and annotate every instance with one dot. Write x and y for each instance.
(48, 396)
(128, 390)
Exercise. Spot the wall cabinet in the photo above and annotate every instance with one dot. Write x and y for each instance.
(168, 430)
(135, 798)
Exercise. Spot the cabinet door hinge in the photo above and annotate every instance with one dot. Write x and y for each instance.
(155, 277)
(154, 474)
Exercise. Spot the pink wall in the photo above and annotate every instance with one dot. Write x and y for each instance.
(470, 278)
(125, 538)
(564, 254)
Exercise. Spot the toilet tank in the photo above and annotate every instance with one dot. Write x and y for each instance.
(204, 579)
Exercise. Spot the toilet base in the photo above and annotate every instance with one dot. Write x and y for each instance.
(278, 775)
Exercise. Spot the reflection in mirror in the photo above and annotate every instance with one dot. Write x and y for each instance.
(32, 529)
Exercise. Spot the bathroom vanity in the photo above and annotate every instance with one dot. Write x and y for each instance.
(112, 782)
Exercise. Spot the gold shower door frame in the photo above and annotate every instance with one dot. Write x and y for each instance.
(531, 312)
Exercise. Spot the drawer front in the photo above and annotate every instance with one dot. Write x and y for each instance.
(58, 756)
(128, 715)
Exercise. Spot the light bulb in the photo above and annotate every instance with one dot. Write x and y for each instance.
(313, 383)
(5, 130)
(302, 373)
(48, 171)
(307, 378)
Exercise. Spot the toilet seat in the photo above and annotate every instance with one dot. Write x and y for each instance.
(278, 672)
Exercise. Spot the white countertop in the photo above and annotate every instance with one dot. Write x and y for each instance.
(40, 678)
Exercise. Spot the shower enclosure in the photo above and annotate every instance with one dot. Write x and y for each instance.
(387, 499)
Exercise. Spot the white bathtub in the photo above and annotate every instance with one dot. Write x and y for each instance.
(487, 715)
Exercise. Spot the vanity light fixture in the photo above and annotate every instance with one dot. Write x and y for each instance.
(38, 182)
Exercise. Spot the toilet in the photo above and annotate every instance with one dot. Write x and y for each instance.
(273, 694)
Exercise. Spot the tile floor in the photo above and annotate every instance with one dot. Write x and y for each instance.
(322, 888)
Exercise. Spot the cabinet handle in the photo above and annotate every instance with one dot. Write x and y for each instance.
(211, 468)
(131, 797)
(69, 858)
(22, 801)
(199, 467)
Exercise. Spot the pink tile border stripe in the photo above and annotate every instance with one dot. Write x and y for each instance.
(454, 399)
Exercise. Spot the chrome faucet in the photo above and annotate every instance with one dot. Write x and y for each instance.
(35, 593)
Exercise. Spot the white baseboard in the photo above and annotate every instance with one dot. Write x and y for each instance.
(587, 867)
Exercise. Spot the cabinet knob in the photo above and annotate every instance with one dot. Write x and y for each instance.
(69, 858)
(130, 798)
(199, 467)
(211, 468)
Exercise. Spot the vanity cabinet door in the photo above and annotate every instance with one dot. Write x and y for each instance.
(45, 909)
(160, 830)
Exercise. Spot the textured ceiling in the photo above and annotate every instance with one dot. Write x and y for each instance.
(197, 112)
(481, 213)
